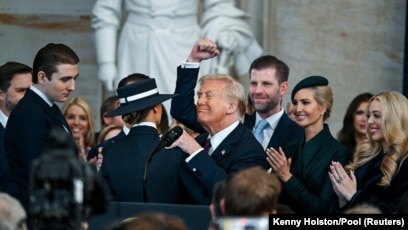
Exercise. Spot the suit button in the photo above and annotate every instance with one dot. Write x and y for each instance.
(194, 169)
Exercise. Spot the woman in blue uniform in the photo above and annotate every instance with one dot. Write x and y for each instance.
(303, 170)
(124, 174)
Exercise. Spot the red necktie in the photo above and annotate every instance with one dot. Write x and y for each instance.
(207, 145)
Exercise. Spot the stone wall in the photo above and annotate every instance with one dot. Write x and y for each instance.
(357, 45)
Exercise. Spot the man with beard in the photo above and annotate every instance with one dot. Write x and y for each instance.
(15, 79)
(268, 85)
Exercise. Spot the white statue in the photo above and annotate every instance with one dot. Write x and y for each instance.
(154, 36)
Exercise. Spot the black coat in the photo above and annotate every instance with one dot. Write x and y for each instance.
(387, 198)
(168, 179)
(6, 179)
(93, 152)
(26, 137)
(238, 151)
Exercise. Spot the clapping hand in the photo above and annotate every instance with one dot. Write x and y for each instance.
(344, 185)
(280, 165)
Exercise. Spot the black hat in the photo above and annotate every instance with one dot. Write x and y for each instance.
(309, 82)
(138, 96)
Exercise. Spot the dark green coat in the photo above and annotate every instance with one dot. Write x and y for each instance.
(310, 189)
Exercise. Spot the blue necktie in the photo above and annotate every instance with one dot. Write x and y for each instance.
(258, 131)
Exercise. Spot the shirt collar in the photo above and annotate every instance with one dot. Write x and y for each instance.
(125, 130)
(3, 119)
(221, 135)
(272, 120)
(42, 95)
(146, 123)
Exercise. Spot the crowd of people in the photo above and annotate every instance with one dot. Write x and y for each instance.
(239, 164)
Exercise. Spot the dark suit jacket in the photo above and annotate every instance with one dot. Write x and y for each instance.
(122, 170)
(183, 110)
(94, 150)
(182, 106)
(309, 190)
(6, 179)
(26, 137)
(238, 151)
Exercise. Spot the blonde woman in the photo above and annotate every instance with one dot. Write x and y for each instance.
(378, 174)
(78, 114)
(306, 186)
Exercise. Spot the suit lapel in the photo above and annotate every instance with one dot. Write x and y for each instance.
(61, 117)
(281, 131)
(49, 111)
(224, 149)
(250, 121)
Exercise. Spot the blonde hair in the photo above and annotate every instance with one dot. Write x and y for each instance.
(233, 92)
(89, 138)
(394, 119)
(324, 97)
(363, 209)
(11, 212)
(107, 130)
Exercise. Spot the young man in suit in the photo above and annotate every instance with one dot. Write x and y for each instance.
(268, 85)
(15, 79)
(55, 70)
(229, 146)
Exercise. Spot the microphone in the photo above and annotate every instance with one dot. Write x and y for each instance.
(169, 138)
(166, 140)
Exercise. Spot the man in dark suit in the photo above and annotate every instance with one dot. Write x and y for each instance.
(229, 146)
(268, 85)
(55, 70)
(15, 79)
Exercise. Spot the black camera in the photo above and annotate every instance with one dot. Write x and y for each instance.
(64, 190)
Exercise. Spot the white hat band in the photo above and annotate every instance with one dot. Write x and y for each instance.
(138, 96)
